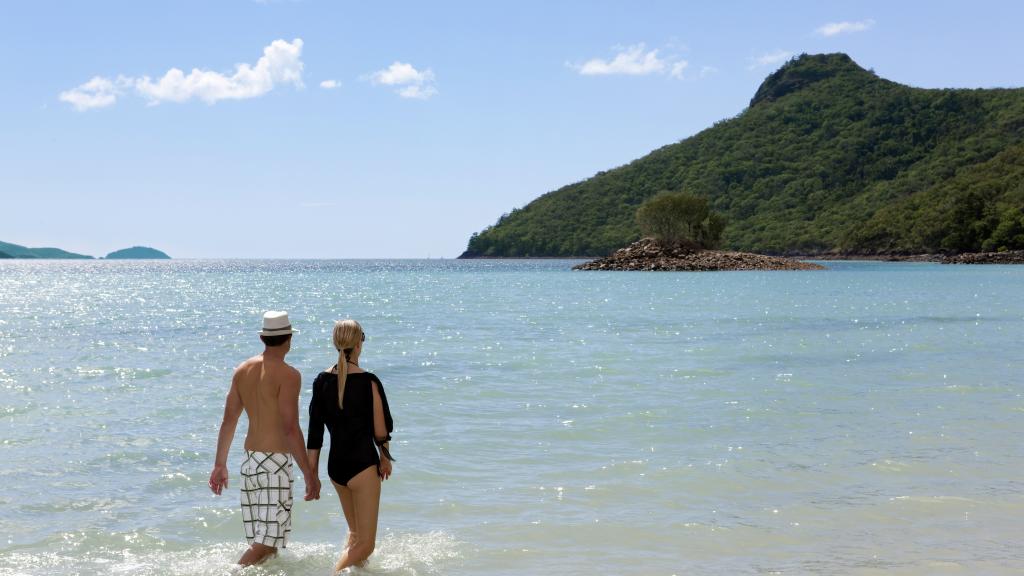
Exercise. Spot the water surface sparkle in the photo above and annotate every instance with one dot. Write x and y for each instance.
(861, 420)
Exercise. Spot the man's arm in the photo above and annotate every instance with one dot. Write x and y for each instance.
(288, 407)
(232, 411)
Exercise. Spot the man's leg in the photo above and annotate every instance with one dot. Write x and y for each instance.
(257, 554)
(266, 504)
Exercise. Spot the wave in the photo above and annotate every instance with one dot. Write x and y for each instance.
(423, 554)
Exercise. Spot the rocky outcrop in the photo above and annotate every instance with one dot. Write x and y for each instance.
(1009, 257)
(647, 254)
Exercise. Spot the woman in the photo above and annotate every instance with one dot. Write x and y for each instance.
(352, 404)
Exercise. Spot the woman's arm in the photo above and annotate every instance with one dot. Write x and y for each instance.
(313, 455)
(380, 429)
(315, 436)
(380, 432)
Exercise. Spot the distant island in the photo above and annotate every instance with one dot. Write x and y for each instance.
(8, 250)
(18, 251)
(828, 159)
(138, 253)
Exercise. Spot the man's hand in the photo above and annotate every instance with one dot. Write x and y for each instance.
(218, 479)
(312, 487)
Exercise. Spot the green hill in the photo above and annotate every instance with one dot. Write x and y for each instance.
(138, 253)
(16, 251)
(828, 157)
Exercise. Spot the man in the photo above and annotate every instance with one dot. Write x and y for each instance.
(268, 390)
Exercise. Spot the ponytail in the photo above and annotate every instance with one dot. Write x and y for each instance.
(347, 335)
(342, 376)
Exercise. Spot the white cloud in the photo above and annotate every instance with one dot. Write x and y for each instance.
(402, 73)
(631, 60)
(280, 64)
(677, 69)
(835, 28)
(770, 59)
(96, 93)
(409, 82)
(330, 84)
(706, 71)
(416, 91)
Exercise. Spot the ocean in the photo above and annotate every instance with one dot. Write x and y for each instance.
(866, 419)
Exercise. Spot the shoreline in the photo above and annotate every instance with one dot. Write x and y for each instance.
(966, 258)
(869, 257)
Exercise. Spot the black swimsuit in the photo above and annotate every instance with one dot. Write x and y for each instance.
(351, 429)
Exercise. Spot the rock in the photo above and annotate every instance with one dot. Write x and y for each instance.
(647, 254)
(1008, 257)
(880, 257)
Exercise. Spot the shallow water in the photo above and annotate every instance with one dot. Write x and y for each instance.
(861, 420)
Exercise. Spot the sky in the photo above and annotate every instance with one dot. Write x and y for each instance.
(316, 129)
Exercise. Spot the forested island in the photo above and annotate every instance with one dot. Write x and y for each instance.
(828, 159)
(18, 251)
(138, 253)
(8, 250)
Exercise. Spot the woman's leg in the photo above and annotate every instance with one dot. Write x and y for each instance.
(365, 491)
(345, 495)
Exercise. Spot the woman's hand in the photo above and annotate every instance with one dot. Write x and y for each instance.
(312, 487)
(384, 468)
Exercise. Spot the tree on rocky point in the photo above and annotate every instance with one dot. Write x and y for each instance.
(680, 219)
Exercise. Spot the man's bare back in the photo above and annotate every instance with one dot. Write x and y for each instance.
(259, 382)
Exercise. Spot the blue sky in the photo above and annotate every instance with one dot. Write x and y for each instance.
(441, 115)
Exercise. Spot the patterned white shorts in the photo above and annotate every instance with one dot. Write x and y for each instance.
(267, 498)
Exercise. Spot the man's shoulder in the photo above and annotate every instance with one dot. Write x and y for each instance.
(249, 363)
(290, 373)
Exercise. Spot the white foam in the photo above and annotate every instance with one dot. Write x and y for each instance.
(415, 554)
(403, 554)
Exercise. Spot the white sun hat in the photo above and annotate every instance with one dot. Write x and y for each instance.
(276, 323)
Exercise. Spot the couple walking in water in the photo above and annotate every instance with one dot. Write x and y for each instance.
(347, 400)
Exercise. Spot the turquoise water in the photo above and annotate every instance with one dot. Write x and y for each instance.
(862, 420)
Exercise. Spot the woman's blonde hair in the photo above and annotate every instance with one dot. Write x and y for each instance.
(347, 335)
